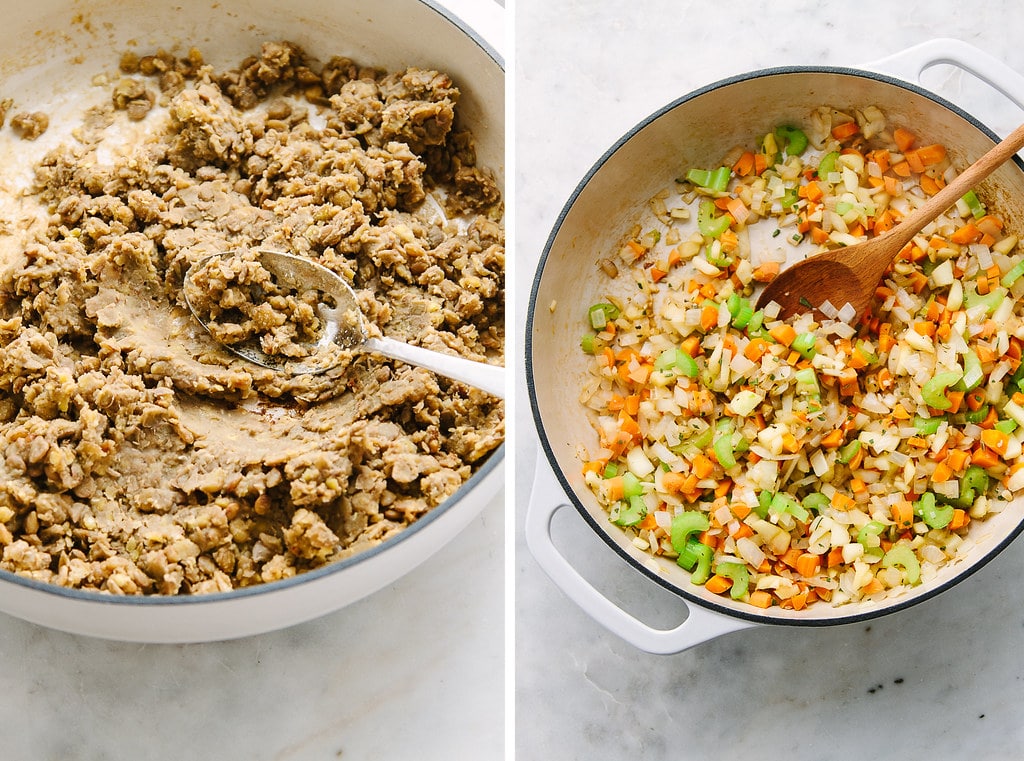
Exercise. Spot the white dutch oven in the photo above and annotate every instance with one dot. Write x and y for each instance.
(53, 48)
(697, 130)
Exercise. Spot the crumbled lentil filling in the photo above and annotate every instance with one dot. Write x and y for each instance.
(138, 456)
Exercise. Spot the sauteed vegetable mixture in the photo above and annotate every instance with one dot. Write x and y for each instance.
(809, 461)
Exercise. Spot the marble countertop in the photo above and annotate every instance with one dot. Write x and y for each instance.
(415, 671)
(940, 680)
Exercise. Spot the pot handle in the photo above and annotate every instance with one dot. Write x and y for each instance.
(909, 64)
(546, 499)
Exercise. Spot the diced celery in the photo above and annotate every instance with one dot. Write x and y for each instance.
(901, 555)
(684, 525)
(740, 578)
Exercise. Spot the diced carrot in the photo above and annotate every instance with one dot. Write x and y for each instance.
(842, 501)
(783, 333)
(914, 161)
(902, 168)
(708, 318)
(995, 440)
(631, 404)
(959, 520)
(648, 522)
(789, 557)
(742, 531)
(924, 328)
(930, 155)
(614, 488)
(975, 400)
(929, 185)
(903, 514)
(845, 131)
(673, 481)
(832, 439)
(917, 441)
(881, 157)
(873, 587)
(707, 538)
(760, 599)
(745, 164)
(943, 472)
(755, 349)
(740, 510)
(691, 345)
(718, 584)
(984, 458)
(723, 488)
(904, 139)
(766, 271)
(730, 241)
(811, 191)
(990, 419)
(708, 290)
(702, 466)
(636, 247)
(657, 274)
(955, 398)
(968, 233)
(835, 557)
(807, 564)
(857, 486)
(799, 601)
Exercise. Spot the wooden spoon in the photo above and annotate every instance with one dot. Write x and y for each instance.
(850, 275)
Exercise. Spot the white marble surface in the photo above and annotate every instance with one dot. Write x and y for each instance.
(415, 671)
(942, 680)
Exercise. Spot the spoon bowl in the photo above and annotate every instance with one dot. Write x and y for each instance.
(850, 275)
(343, 327)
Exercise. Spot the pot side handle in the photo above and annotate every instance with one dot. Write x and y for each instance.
(909, 64)
(546, 499)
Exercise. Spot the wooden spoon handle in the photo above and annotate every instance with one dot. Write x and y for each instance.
(965, 181)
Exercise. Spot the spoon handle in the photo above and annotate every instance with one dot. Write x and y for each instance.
(965, 181)
(489, 378)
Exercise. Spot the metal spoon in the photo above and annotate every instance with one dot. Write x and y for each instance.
(345, 328)
(851, 275)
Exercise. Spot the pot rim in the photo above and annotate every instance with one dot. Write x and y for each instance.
(885, 607)
(494, 460)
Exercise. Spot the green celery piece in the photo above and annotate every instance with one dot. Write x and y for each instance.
(590, 344)
(599, 314)
(707, 223)
(934, 390)
(633, 513)
(803, 344)
(743, 316)
(764, 503)
(976, 416)
(1012, 275)
(902, 556)
(869, 534)
(795, 139)
(990, 300)
(740, 578)
(611, 470)
(684, 525)
(827, 165)
(703, 570)
(631, 485)
(973, 374)
(1007, 426)
(848, 451)
(926, 426)
(724, 452)
(783, 503)
(715, 180)
(816, 501)
(935, 515)
(974, 204)
(789, 198)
